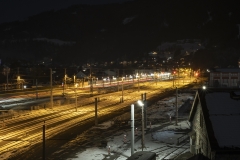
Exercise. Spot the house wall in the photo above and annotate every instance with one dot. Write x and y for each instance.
(199, 142)
(227, 156)
(224, 79)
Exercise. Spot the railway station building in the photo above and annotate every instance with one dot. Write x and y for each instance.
(214, 119)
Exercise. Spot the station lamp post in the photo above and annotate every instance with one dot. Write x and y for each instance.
(132, 129)
(204, 87)
(142, 105)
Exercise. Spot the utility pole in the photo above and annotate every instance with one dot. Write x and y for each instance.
(178, 74)
(173, 78)
(7, 78)
(96, 111)
(142, 126)
(118, 80)
(74, 79)
(36, 90)
(118, 84)
(43, 139)
(138, 84)
(64, 81)
(18, 79)
(176, 123)
(65, 77)
(155, 77)
(109, 77)
(138, 80)
(145, 110)
(7, 70)
(51, 96)
(190, 74)
(133, 78)
(76, 98)
(91, 82)
(103, 82)
(122, 91)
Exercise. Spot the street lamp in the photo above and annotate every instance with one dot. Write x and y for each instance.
(142, 105)
(132, 129)
(204, 87)
(118, 83)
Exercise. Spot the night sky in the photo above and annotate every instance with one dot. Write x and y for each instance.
(12, 10)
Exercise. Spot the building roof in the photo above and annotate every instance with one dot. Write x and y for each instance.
(80, 74)
(198, 157)
(221, 111)
(110, 73)
(226, 70)
(143, 155)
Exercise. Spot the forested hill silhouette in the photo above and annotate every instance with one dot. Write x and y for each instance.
(123, 31)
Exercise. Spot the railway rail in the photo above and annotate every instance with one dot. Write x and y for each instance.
(26, 130)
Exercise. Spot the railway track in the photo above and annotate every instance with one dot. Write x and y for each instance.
(24, 131)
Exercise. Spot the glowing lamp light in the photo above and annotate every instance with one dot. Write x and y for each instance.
(140, 103)
(204, 87)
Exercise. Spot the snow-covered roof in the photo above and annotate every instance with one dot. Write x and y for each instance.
(80, 74)
(224, 114)
(221, 110)
(226, 70)
(110, 73)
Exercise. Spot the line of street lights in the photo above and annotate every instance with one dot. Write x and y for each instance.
(91, 90)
